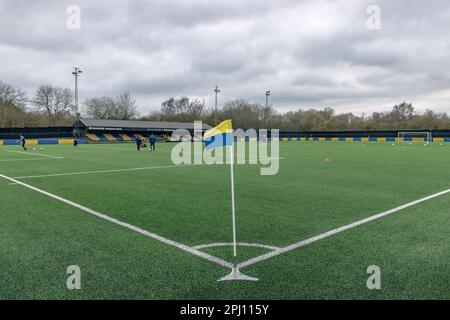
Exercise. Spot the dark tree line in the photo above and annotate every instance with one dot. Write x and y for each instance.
(50, 106)
(252, 115)
(53, 106)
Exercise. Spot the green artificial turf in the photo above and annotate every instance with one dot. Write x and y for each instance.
(41, 237)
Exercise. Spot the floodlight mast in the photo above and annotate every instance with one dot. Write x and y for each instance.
(268, 93)
(76, 73)
(216, 90)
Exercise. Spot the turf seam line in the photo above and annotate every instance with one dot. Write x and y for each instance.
(149, 234)
(336, 231)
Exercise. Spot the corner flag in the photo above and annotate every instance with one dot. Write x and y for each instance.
(219, 136)
(222, 136)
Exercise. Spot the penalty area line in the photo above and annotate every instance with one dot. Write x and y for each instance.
(337, 231)
(149, 234)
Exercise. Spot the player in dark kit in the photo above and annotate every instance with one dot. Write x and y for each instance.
(138, 143)
(152, 141)
(22, 142)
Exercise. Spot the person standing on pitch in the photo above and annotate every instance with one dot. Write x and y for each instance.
(152, 141)
(23, 142)
(138, 143)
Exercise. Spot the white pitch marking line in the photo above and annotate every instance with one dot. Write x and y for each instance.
(149, 234)
(35, 154)
(192, 153)
(40, 159)
(265, 159)
(336, 231)
(240, 244)
(101, 171)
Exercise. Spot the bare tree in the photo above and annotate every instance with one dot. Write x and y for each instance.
(55, 102)
(126, 108)
(267, 115)
(182, 109)
(403, 111)
(12, 106)
(168, 109)
(243, 113)
(152, 116)
(122, 107)
(195, 110)
(100, 108)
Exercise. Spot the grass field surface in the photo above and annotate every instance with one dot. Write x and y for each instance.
(190, 205)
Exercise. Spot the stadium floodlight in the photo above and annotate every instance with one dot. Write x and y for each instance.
(268, 93)
(76, 73)
(411, 136)
(216, 90)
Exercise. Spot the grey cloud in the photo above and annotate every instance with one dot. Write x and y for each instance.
(309, 53)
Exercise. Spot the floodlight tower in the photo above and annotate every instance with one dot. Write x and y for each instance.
(76, 73)
(216, 90)
(268, 93)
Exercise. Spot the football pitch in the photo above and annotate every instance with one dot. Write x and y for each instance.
(140, 227)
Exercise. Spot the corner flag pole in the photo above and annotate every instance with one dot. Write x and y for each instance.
(233, 209)
(235, 274)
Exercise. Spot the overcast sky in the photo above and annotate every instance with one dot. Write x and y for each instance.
(308, 53)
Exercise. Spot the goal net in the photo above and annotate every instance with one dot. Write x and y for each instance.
(415, 136)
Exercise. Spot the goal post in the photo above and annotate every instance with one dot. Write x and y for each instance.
(415, 136)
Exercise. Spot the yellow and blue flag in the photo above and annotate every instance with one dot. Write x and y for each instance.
(219, 136)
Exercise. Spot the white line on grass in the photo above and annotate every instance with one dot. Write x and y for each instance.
(101, 171)
(40, 159)
(336, 231)
(35, 154)
(149, 234)
(240, 244)
(192, 153)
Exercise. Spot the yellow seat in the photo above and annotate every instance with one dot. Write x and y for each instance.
(110, 137)
(93, 137)
(125, 137)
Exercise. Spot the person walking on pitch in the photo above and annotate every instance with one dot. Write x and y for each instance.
(152, 142)
(138, 143)
(23, 142)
